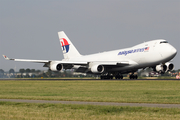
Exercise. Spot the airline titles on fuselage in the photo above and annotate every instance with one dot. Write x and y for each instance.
(125, 52)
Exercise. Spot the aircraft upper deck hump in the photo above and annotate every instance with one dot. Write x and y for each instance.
(69, 51)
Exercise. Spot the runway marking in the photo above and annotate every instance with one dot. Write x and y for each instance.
(96, 103)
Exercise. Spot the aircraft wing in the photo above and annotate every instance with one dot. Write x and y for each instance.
(26, 60)
(46, 61)
(82, 65)
(112, 63)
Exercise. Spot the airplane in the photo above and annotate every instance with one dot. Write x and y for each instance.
(154, 54)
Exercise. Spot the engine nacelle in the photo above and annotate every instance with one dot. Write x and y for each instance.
(170, 66)
(56, 67)
(160, 68)
(97, 69)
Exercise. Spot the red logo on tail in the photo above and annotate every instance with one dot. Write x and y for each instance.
(64, 44)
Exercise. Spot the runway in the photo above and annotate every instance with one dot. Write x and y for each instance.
(95, 103)
(84, 79)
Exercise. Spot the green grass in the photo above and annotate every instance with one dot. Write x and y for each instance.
(104, 91)
(34, 111)
(107, 91)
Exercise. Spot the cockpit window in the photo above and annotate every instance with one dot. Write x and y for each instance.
(163, 42)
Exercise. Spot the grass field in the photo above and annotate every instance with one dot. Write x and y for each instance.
(34, 111)
(104, 91)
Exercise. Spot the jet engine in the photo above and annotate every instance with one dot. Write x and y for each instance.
(164, 68)
(160, 68)
(56, 67)
(97, 68)
(170, 66)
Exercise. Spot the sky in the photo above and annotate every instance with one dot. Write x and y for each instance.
(28, 28)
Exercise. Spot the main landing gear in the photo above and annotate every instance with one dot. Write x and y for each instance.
(132, 76)
(106, 77)
(110, 76)
(117, 76)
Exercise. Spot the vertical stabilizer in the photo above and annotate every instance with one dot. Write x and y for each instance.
(69, 51)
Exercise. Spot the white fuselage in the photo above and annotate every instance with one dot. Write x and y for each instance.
(147, 54)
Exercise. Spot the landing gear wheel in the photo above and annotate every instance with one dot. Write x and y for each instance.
(133, 76)
(119, 77)
(106, 77)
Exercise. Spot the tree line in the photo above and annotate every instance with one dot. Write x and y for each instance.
(21, 70)
(32, 73)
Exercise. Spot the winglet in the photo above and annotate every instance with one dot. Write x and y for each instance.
(5, 57)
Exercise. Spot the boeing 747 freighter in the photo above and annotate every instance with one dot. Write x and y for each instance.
(155, 54)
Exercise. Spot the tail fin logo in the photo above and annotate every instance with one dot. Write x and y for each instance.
(64, 44)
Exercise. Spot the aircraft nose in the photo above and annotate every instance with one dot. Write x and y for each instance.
(173, 51)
